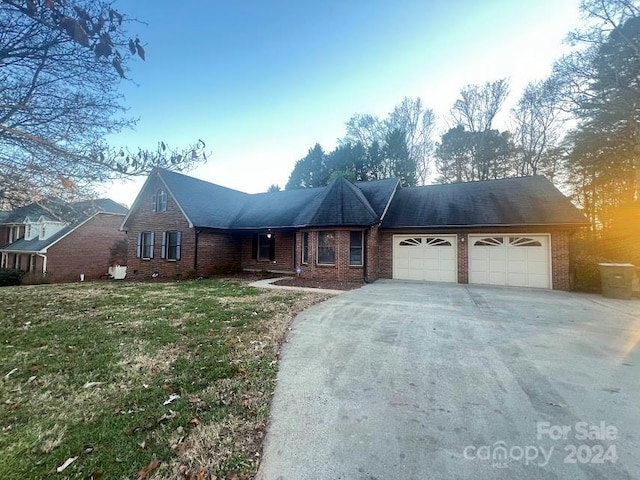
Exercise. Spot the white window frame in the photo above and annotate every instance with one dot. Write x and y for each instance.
(165, 249)
(351, 264)
(304, 259)
(160, 200)
(143, 246)
(318, 246)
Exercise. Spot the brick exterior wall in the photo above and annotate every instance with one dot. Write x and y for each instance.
(217, 252)
(560, 260)
(86, 250)
(340, 270)
(372, 253)
(560, 254)
(463, 257)
(221, 252)
(284, 258)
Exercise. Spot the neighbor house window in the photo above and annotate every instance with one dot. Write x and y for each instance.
(305, 247)
(326, 248)
(264, 247)
(160, 201)
(145, 245)
(355, 248)
(171, 242)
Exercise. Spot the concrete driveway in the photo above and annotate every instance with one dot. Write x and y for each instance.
(401, 380)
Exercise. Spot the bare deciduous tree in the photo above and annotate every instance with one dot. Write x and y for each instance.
(60, 67)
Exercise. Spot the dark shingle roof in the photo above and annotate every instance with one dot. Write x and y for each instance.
(343, 204)
(37, 245)
(57, 210)
(105, 205)
(378, 192)
(340, 203)
(509, 201)
(289, 208)
(205, 204)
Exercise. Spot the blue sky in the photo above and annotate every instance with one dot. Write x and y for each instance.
(262, 81)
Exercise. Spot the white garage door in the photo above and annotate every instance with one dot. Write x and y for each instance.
(427, 258)
(515, 260)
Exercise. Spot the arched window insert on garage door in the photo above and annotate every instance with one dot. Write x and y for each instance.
(429, 241)
(438, 242)
(410, 242)
(524, 242)
(489, 242)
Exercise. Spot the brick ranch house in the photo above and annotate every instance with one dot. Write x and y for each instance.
(504, 232)
(61, 240)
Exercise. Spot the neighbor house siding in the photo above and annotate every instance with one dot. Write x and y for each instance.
(86, 250)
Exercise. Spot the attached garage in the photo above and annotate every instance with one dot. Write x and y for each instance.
(425, 257)
(508, 259)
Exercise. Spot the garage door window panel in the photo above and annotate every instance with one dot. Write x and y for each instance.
(524, 242)
(489, 242)
(438, 242)
(410, 242)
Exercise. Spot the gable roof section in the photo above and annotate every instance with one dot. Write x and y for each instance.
(510, 201)
(379, 193)
(204, 204)
(57, 210)
(339, 203)
(343, 204)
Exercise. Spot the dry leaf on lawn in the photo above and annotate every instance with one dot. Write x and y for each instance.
(144, 473)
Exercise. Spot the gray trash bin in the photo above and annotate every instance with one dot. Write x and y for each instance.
(617, 280)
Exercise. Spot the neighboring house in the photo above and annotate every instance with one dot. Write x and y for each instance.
(504, 232)
(61, 240)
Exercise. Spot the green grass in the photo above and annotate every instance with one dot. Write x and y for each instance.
(93, 364)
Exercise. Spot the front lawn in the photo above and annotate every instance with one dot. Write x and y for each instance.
(137, 380)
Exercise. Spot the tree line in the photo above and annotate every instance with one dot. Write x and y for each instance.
(580, 127)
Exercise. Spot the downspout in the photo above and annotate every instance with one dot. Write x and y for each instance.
(365, 273)
(44, 263)
(295, 253)
(195, 254)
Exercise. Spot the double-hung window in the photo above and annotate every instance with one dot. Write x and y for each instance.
(160, 201)
(264, 247)
(326, 248)
(355, 248)
(145, 245)
(305, 247)
(171, 243)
